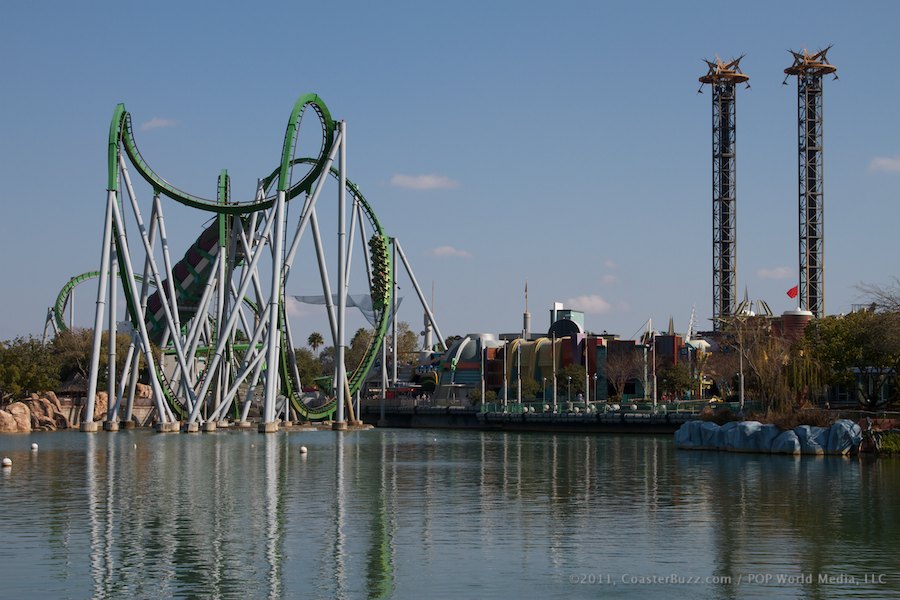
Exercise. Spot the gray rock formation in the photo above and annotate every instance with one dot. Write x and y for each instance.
(46, 413)
(813, 440)
(842, 438)
(16, 418)
(786, 442)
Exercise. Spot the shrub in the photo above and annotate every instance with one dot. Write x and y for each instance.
(719, 417)
(890, 442)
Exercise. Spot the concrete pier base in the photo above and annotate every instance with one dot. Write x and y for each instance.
(243, 424)
(192, 427)
(339, 426)
(110, 426)
(91, 427)
(223, 424)
(270, 427)
(209, 426)
(173, 427)
(126, 425)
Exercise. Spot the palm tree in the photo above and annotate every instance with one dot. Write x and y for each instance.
(315, 340)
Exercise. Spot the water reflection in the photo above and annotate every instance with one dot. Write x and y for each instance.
(407, 514)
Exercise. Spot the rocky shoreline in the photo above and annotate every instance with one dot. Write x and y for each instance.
(841, 438)
(42, 412)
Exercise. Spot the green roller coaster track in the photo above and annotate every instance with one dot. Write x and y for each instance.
(121, 136)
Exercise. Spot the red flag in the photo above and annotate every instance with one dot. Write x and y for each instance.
(792, 293)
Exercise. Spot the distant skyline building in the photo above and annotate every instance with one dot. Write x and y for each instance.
(722, 78)
(809, 69)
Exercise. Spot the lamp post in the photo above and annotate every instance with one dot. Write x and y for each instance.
(653, 359)
(569, 389)
(741, 374)
(553, 354)
(483, 353)
(505, 376)
(595, 388)
(587, 377)
(544, 390)
(645, 372)
(519, 373)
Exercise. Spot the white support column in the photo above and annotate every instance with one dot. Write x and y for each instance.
(87, 423)
(130, 282)
(148, 248)
(145, 294)
(394, 244)
(232, 318)
(111, 327)
(342, 281)
(311, 203)
(274, 340)
(132, 358)
(381, 420)
(323, 275)
(167, 261)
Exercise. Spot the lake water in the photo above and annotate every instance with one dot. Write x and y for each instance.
(438, 514)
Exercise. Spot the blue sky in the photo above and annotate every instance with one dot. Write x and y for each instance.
(564, 144)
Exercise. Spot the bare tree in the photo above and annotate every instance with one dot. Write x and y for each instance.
(882, 297)
(622, 367)
(722, 367)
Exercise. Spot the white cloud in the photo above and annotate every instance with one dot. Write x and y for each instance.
(610, 264)
(885, 163)
(157, 123)
(609, 279)
(775, 273)
(593, 304)
(423, 182)
(450, 251)
(298, 309)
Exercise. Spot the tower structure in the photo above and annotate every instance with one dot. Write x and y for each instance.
(809, 69)
(722, 78)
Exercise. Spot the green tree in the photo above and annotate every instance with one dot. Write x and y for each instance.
(452, 340)
(862, 344)
(489, 396)
(576, 372)
(72, 349)
(307, 366)
(407, 344)
(326, 359)
(531, 388)
(675, 379)
(315, 341)
(26, 366)
(355, 353)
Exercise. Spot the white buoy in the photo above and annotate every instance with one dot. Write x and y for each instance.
(34, 446)
(303, 450)
(7, 462)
